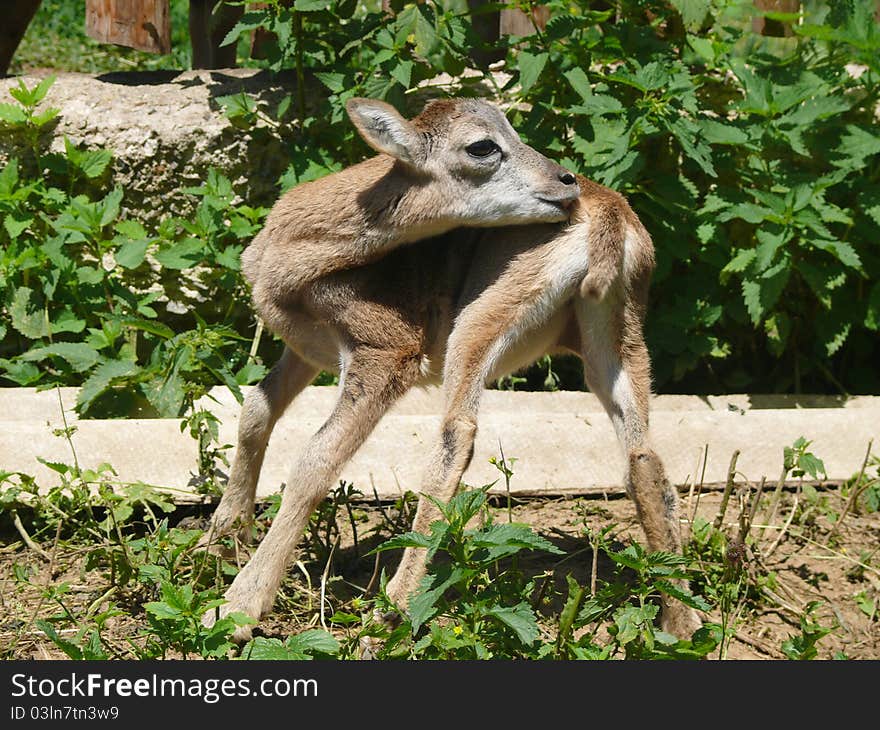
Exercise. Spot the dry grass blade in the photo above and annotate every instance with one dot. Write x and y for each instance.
(784, 529)
(324, 582)
(728, 488)
(777, 495)
(16, 520)
(692, 510)
(854, 495)
(747, 516)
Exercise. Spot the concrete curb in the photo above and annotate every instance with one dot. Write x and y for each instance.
(563, 442)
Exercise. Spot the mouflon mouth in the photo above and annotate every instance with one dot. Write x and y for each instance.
(564, 204)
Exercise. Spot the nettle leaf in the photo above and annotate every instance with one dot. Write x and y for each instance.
(131, 254)
(509, 538)
(407, 539)
(262, 648)
(816, 108)
(706, 232)
(777, 327)
(403, 73)
(769, 242)
(855, 146)
(22, 373)
(91, 163)
(336, 82)
(12, 114)
(811, 464)
(740, 262)
(182, 255)
(630, 620)
(842, 251)
(631, 556)
(313, 641)
(693, 12)
(869, 200)
(520, 618)
(749, 212)
(423, 604)
(577, 77)
(28, 320)
(101, 379)
(715, 132)
(832, 333)
(238, 106)
(311, 6)
(683, 595)
(16, 223)
(78, 355)
(9, 177)
(249, 21)
(597, 105)
(761, 294)
(251, 372)
(147, 325)
(530, 67)
(702, 46)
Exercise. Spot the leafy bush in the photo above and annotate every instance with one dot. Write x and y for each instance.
(81, 281)
(753, 161)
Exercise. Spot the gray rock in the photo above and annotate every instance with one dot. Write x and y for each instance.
(166, 130)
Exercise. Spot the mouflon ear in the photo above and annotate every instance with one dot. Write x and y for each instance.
(385, 130)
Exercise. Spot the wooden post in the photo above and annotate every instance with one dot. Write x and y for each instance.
(208, 26)
(18, 15)
(768, 27)
(141, 24)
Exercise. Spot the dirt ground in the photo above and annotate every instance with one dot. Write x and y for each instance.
(842, 577)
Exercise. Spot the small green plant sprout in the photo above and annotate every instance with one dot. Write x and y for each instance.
(627, 610)
(505, 466)
(23, 116)
(866, 604)
(85, 646)
(801, 462)
(803, 646)
(798, 462)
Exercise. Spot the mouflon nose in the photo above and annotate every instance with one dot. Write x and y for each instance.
(566, 178)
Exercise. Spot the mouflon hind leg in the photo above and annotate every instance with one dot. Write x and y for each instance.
(262, 407)
(478, 340)
(617, 370)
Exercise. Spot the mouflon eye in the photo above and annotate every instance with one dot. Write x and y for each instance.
(483, 148)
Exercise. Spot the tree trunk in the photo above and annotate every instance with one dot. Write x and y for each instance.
(141, 24)
(208, 26)
(18, 16)
(768, 27)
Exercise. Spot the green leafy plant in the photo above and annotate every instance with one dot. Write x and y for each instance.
(630, 609)
(175, 623)
(475, 603)
(803, 646)
(468, 606)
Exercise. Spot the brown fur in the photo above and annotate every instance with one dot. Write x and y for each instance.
(423, 183)
(476, 304)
